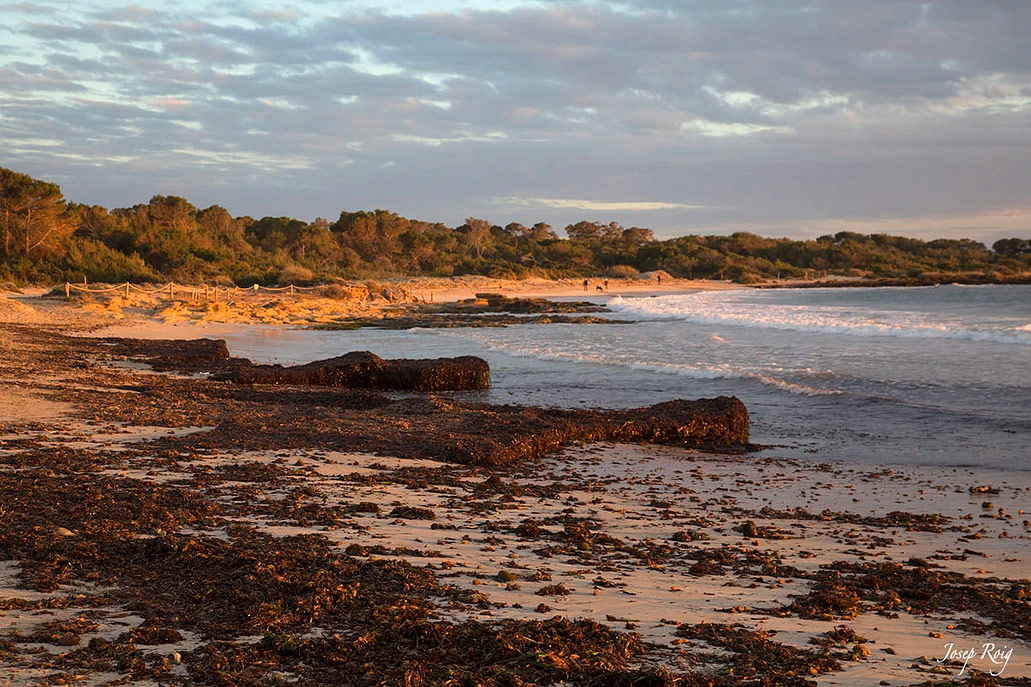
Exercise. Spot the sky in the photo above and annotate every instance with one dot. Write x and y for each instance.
(780, 117)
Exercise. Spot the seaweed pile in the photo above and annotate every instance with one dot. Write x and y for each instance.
(271, 416)
(236, 547)
(366, 370)
(844, 590)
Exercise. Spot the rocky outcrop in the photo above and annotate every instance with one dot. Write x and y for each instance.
(365, 370)
(496, 302)
(430, 320)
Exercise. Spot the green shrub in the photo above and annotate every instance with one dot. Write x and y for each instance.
(296, 274)
(100, 263)
(622, 272)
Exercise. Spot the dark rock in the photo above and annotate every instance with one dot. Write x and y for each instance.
(460, 320)
(496, 302)
(984, 489)
(365, 370)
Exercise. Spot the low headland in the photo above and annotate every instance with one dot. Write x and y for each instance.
(171, 514)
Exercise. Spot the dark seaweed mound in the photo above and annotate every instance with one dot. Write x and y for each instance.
(365, 370)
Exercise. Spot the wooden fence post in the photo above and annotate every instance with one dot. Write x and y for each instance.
(126, 289)
(67, 290)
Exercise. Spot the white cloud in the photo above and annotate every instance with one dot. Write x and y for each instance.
(727, 129)
(597, 205)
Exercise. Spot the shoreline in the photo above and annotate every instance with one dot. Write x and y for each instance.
(395, 304)
(628, 562)
(371, 304)
(450, 289)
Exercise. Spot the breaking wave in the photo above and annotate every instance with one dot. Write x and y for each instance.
(721, 308)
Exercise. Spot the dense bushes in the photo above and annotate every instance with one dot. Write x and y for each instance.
(44, 240)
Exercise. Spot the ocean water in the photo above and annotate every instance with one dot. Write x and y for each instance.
(936, 375)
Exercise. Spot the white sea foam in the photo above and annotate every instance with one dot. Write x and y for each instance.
(745, 311)
(546, 352)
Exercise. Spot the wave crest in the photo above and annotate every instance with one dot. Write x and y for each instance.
(723, 309)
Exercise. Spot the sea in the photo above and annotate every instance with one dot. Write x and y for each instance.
(936, 375)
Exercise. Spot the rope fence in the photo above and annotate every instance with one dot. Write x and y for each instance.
(192, 292)
(212, 292)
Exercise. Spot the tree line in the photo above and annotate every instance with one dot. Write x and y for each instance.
(44, 239)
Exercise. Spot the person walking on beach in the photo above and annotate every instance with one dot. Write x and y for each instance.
(586, 284)
(606, 282)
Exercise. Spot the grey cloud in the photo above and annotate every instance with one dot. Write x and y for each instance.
(882, 108)
(210, 52)
(127, 13)
(20, 77)
(27, 8)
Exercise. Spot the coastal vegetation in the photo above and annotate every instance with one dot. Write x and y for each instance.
(45, 239)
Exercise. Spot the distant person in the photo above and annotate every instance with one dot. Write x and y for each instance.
(606, 282)
(586, 284)
(659, 277)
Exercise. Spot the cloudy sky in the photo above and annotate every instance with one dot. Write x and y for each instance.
(781, 117)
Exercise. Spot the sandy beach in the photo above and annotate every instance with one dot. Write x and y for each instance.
(334, 303)
(444, 290)
(157, 527)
